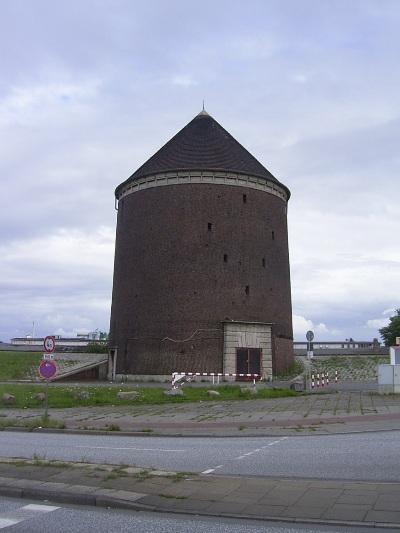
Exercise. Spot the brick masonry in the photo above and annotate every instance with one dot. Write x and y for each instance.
(189, 257)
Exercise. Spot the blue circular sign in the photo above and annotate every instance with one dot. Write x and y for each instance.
(309, 335)
(47, 369)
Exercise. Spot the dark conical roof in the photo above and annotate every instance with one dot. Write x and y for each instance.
(203, 144)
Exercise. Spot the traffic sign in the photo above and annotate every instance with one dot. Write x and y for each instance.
(49, 344)
(310, 335)
(47, 369)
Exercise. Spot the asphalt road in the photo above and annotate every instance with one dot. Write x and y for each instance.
(357, 456)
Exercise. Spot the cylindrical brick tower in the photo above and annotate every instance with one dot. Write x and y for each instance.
(201, 273)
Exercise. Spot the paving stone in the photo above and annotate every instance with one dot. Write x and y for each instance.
(387, 504)
(283, 497)
(264, 510)
(128, 495)
(346, 512)
(319, 497)
(356, 497)
(302, 511)
(226, 508)
(240, 497)
(80, 489)
(391, 517)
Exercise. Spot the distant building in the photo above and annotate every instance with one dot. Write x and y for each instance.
(201, 273)
(71, 344)
(348, 347)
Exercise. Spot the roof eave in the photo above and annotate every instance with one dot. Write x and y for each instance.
(175, 170)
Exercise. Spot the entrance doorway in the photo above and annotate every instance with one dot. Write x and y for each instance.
(248, 361)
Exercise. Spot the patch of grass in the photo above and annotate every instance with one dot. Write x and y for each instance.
(64, 396)
(296, 368)
(113, 427)
(16, 365)
(19, 462)
(144, 475)
(38, 459)
(11, 422)
(117, 472)
(179, 476)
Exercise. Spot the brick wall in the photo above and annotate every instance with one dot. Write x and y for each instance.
(188, 257)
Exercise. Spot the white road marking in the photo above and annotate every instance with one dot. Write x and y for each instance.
(24, 513)
(40, 508)
(244, 456)
(135, 449)
(210, 470)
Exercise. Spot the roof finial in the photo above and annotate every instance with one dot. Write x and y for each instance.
(203, 112)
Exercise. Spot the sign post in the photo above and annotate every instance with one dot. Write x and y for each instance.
(47, 369)
(310, 354)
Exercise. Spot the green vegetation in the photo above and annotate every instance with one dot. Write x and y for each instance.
(96, 347)
(64, 396)
(352, 367)
(16, 365)
(390, 332)
(295, 369)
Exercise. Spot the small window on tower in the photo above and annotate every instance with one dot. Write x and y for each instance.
(245, 198)
(247, 289)
(209, 226)
(225, 258)
(273, 235)
(263, 262)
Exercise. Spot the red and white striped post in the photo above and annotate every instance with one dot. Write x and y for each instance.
(176, 376)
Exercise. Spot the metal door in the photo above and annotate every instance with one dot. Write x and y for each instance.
(248, 361)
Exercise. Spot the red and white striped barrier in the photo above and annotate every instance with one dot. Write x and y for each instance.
(324, 379)
(177, 376)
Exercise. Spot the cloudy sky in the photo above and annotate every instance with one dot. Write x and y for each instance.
(90, 89)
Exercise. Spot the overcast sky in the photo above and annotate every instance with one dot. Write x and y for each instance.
(89, 90)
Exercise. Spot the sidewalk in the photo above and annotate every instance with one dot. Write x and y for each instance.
(300, 501)
(306, 501)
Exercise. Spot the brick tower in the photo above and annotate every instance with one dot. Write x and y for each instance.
(201, 272)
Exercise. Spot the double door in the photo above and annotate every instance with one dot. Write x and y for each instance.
(248, 361)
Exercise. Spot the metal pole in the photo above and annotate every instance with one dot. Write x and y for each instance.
(47, 399)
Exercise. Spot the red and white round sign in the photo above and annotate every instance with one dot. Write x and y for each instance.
(49, 344)
(47, 369)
